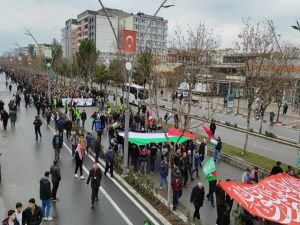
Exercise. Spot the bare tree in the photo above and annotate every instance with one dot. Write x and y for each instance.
(258, 44)
(194, 46)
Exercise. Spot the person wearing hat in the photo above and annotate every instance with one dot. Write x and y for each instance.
(11, 218)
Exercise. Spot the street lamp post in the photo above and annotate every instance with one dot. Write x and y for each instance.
(49, 65)
(129, 67)
(127, 112)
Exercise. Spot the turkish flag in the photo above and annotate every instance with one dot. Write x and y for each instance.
(129, 41)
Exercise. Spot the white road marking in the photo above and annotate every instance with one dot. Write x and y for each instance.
(112, 202)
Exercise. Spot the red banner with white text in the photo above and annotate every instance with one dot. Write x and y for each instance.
(276, 198)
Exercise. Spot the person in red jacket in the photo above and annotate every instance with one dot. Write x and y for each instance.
(177, 189)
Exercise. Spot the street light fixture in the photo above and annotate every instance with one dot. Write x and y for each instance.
(129, 67)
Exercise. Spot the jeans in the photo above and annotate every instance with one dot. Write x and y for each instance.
(175, 199)
(152, 164)
(163, 179)
(57, 153)
(217, 155)
(46, 206)
(143, 166)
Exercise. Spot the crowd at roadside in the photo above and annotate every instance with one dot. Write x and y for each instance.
(109, 121)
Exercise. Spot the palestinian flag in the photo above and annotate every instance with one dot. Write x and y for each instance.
(212, 142)
(147, 138)
(176, 132)
(209, 170)
(116, 125)
(207, 131)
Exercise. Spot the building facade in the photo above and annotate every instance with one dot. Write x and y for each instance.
(156, 36)
(67, 36)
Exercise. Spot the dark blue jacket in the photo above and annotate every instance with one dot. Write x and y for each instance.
(58, 144)
(109, 156)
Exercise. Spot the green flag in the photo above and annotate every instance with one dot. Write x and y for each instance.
(210, 177)
(209, 167)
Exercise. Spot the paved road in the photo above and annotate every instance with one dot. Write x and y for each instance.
(24, 162)
(261, 146)
(208, 214)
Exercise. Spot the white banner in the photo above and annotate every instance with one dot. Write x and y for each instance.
(78, 101)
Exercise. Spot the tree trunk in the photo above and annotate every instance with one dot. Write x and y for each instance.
(238, 107)
(116, 99)
(261, 120)
(278, 112)
(170, 179)
(248, 128)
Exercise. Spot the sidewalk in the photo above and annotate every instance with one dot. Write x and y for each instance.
(208, 214)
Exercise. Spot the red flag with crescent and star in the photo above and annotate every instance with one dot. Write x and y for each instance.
(129, 41)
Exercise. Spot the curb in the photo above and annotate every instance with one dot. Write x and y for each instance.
(140, 198)
(278, 140)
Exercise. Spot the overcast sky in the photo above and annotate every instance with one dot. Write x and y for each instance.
(45, 18)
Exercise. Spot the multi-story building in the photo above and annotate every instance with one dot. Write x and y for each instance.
(67, 37)
(93, 25)
(156, 36)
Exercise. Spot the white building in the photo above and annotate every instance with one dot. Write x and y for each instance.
(105, 39)
(67, 36)
(156, 36)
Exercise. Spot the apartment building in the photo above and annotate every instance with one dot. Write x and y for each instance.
(156, 36)
(67, 37)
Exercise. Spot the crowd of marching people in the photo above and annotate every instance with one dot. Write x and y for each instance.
(110, 120)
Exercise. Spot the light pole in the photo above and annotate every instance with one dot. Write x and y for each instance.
(127, 112)
(48, 65)
(129, 67)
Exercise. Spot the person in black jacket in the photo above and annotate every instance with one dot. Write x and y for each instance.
(4, 118)
(83, 117)
(222, 218)
(55, 177)
(37, 127)
(211, 191)
(45, 196)
(68, 127)
(95, 176)
(276, 169)
(33, 214)
(97, 148)
(57, 143)
(197, 198)
(213, 127)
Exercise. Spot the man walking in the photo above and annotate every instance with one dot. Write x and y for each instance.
(57, 143)
(33, 214)
(109, 159)
(37, 127)
(45, 196)
(55, 177)
(211, 191)
(83, 118)
(197, 197)
(95, 176)
(48, 115)
(4, 118)
(13, 118)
